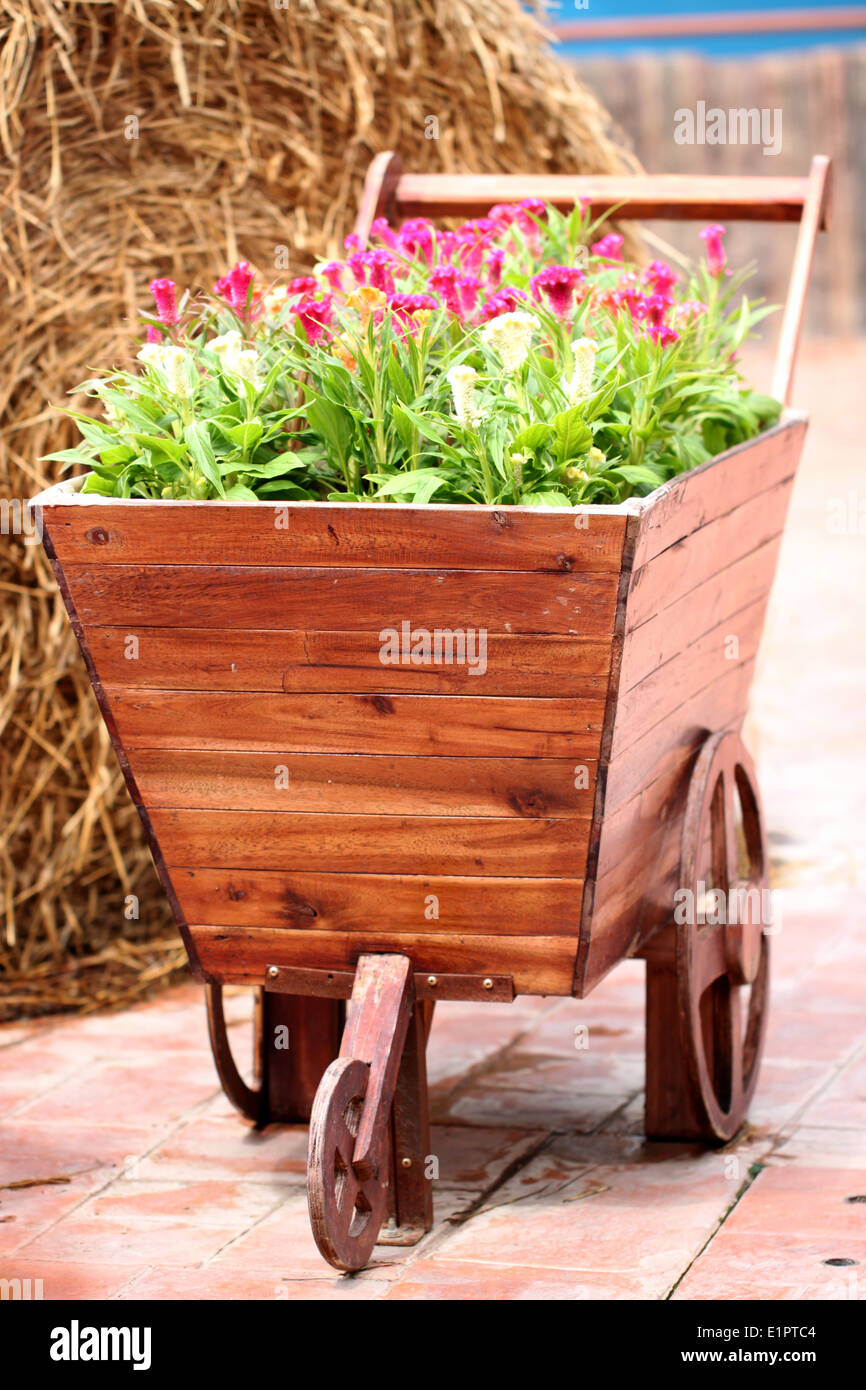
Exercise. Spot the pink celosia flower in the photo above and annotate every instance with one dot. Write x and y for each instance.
(558, 283)
(443, 282)
(716, 258)
(468, 287)
(653, 309)
(411, 308)
(304, 284)
(382, 229)
(447, 243)
(357, 264)
(688, 312)
(379, 266)
(628, 293)
(153, 334)
(528, 210)
(333, 273)
(416, 238)
(315, 315)
(660, 278)
(234, 287)
(663, 334)
(505, 301)
(495, 259)
(353, 243)
(504, 214)
(610, 247)
(163, 292)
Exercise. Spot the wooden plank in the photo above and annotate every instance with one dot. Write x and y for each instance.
(689, 502)
(85, 531)
(446, 725)
(685, 727)
(538, 964)
(676, 572)
(206, 659)
(350, 600)
(703, 661)
(326, 902)
(771, 199)
(382, 785)
(718, 599)
(533, 848)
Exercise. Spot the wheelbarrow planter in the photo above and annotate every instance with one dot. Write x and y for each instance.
(390, 754)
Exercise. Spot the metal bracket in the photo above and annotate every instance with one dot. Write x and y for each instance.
(337, 984)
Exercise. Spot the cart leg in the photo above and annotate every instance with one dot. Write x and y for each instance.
(286, 1076)
(670, 1110)
(349, 1164)
(411, 1191)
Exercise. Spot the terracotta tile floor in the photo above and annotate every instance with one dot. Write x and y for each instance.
(547, 1189)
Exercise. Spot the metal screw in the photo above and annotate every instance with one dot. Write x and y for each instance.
(406, 1162)
(432, 981)
(273, 971)
(487, 984)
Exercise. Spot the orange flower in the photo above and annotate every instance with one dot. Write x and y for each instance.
(366, 300)
(341, 349)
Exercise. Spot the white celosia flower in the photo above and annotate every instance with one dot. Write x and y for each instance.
(246, 364)
(170, 361)
(509, 336)
(227, 347)
(234, 358)
(580, 385)
(462, 382)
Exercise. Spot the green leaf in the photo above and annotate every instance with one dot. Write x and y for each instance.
(247, 435)
(203, 456)
(573, 435)
(533, 437)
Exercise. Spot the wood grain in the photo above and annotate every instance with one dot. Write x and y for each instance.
(719, 599)
(689, 502)
(447, 725)
(351, 600)
(332, 662)
(327, 902)
(403, 786)
(534, 848)
(538, 964)
(337, 535)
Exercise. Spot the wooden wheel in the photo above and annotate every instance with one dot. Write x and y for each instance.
(369, 1129)
(346, 1211)
(286, 1077)
(722, 953)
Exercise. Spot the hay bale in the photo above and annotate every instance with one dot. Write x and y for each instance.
(141, 140)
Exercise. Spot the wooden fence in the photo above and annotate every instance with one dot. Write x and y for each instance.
(821, 94)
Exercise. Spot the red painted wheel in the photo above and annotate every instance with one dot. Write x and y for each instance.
(346, 1211)
(722, 951)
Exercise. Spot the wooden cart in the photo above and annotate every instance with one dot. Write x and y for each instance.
(329, 828)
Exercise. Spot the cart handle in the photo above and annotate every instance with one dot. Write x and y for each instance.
(388, 192)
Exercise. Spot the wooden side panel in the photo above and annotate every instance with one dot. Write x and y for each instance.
(351, 535)
(414, 904)
(533, 846)
(350, 600)
(537, 964)
(164, 658)
(357, 783)
(309, 798)
(446, 726)
(705, 559)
